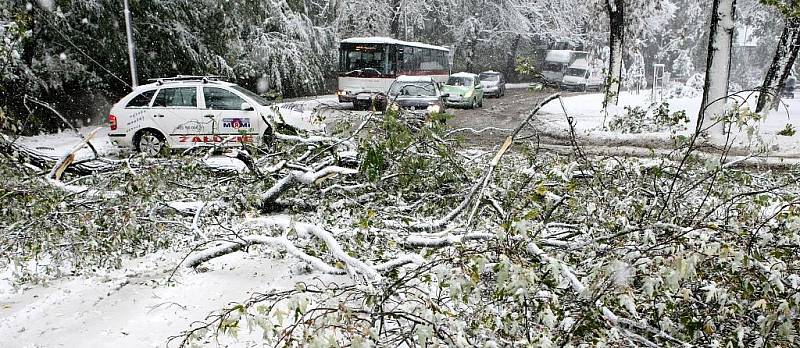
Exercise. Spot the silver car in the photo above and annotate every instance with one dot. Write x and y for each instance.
(494, 84)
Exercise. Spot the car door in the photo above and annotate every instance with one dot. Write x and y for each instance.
(175, 110)
(229, 117)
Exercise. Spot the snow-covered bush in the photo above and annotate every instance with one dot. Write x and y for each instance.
(696, 81)
(682, 67)
(679, 90)
(655, 118)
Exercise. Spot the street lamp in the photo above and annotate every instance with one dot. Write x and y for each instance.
(131, 49)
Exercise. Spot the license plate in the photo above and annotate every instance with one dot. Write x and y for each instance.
(455, 99)
(363, 97)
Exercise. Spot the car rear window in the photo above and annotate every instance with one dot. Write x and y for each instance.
(176, 97)
(141, 100)
(220, 99)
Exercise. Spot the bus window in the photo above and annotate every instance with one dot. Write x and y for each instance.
(410, 58)
(391, 63)
(427, 60)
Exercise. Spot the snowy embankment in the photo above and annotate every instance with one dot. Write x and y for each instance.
(591, 123)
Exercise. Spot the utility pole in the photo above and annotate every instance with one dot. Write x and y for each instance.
(131, 49)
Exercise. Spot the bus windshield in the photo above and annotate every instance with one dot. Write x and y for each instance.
(363, 60)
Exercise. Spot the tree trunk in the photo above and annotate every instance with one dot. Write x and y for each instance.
(718, 63)
(782, 63)
(616, 14)
(396, 18)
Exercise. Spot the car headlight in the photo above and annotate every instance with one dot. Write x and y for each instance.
(469, 93)
(434, 109)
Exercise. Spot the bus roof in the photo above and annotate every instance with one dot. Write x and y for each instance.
(388, 40)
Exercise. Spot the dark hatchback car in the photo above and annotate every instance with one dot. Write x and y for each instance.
(418, 94)
(494, 83)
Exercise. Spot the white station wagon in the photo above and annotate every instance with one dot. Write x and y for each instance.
(184, 112)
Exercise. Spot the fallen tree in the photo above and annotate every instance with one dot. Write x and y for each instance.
(430, 243)
(542, 249)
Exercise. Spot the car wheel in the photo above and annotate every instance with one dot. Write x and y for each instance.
(585, 89)
(480, 104)
(150, 143)
(474, 103)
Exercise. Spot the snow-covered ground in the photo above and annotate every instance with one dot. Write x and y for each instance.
(135, 306)
(589, 122)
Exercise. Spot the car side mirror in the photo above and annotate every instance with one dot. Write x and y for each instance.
(246, 107)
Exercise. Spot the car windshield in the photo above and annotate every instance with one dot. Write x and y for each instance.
(576, 72)
(552, 66)
(416, 89)
(459, 81)
(490, 77)
(256, 98)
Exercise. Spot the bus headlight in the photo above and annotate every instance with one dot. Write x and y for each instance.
(434, 109)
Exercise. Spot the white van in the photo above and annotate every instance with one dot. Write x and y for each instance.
(556, 63)
(581, 77)
(184, 112)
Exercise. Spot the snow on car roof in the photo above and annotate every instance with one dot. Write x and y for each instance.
(464, 74)
(388, 40)
(183, 84)
(407, 78)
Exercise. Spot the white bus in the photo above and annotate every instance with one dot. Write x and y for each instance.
(369, 65)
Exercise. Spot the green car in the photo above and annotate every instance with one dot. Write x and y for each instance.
(463, 90)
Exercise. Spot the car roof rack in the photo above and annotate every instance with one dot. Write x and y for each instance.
(184, 78)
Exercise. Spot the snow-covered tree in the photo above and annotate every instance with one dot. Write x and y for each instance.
(718, 64)
(616, 41)
(785, 54)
